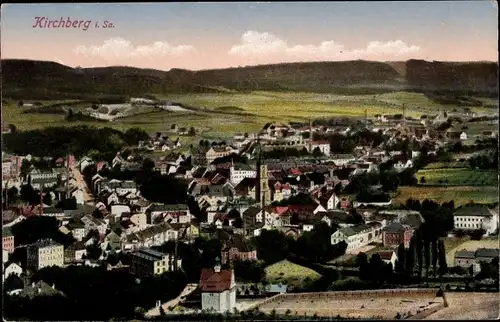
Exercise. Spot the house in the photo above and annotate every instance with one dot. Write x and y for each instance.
(328, 199)
(464, 258)
(396, 234)
(11, 269)
(218, 152)
(467, 258)
(476, 217)
(44, 253)
(148, 262)
(389, 257)
(84, 162)
(92, 223)
(238, 249)
(39, 288)
(53, 212)
(357, 236)
(77, 193)
(7, 240)
(75, 252)
(155, 235)
(323, 146)
(273, 289)
(173, 210)
(238, 172)
(251, 225)
(77, 229)
(342, 159)
(218, 289)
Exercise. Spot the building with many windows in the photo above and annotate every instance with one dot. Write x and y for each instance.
(476, 217)
(149, 262)
(44, 253)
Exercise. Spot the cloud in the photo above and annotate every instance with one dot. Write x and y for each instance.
(122, 48)
(254, 44)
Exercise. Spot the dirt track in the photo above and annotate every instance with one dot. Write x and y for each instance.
(469, 306)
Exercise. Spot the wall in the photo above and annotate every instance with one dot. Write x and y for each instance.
(407, 293)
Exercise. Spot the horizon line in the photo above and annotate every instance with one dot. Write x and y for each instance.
(256, 65)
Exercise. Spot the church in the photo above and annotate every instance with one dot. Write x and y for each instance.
(218, 289)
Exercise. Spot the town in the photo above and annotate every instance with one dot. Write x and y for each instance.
(145, 227)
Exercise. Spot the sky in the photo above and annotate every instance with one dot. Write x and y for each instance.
(208, 35)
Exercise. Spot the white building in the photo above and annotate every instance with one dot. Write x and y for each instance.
(148, 262)
(238, 172)
(218, 289)
(476, 217)
(11, 269)
(357, 236)
(323, 146)
(44, 253)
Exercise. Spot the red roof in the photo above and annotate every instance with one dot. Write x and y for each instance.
(295, 171)
(211, 281)
(280, 210)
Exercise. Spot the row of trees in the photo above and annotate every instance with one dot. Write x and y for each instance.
(273, 246)
(79, 140)
(485, 161)
(110, 294)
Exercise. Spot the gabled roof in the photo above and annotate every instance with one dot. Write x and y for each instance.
(482, 211)
(465, 254)
(487, 252)
(167, 208)
(215, 282)
(396, 227)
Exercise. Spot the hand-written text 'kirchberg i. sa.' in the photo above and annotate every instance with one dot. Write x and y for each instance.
(70, 23)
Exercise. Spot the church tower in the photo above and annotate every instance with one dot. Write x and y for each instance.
(262, 191)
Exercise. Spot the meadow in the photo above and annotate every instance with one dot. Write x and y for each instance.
(458, 177)
(291, 274)
(460, 195)
(223, 114)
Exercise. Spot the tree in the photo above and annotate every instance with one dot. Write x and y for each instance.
(47, 198)
(12, 128)
(20, 103)
(192, 131)
(148, 165)
(427, 256)
(12, 282)
(422, 180)
(434, 256)
(317, 152)
(400, 263)
(443, 267)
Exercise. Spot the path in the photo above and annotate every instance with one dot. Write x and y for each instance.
(190, 288)
(80, 183)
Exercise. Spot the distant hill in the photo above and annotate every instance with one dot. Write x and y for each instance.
(29, 79)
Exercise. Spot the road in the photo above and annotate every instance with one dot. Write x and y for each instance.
(80, 183)
(172, 303)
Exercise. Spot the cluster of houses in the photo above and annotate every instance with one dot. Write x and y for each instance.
(240, 201)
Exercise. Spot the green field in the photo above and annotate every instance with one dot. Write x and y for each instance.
(459, 195)
(222, 114)
(458, 177)
(289, 273)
